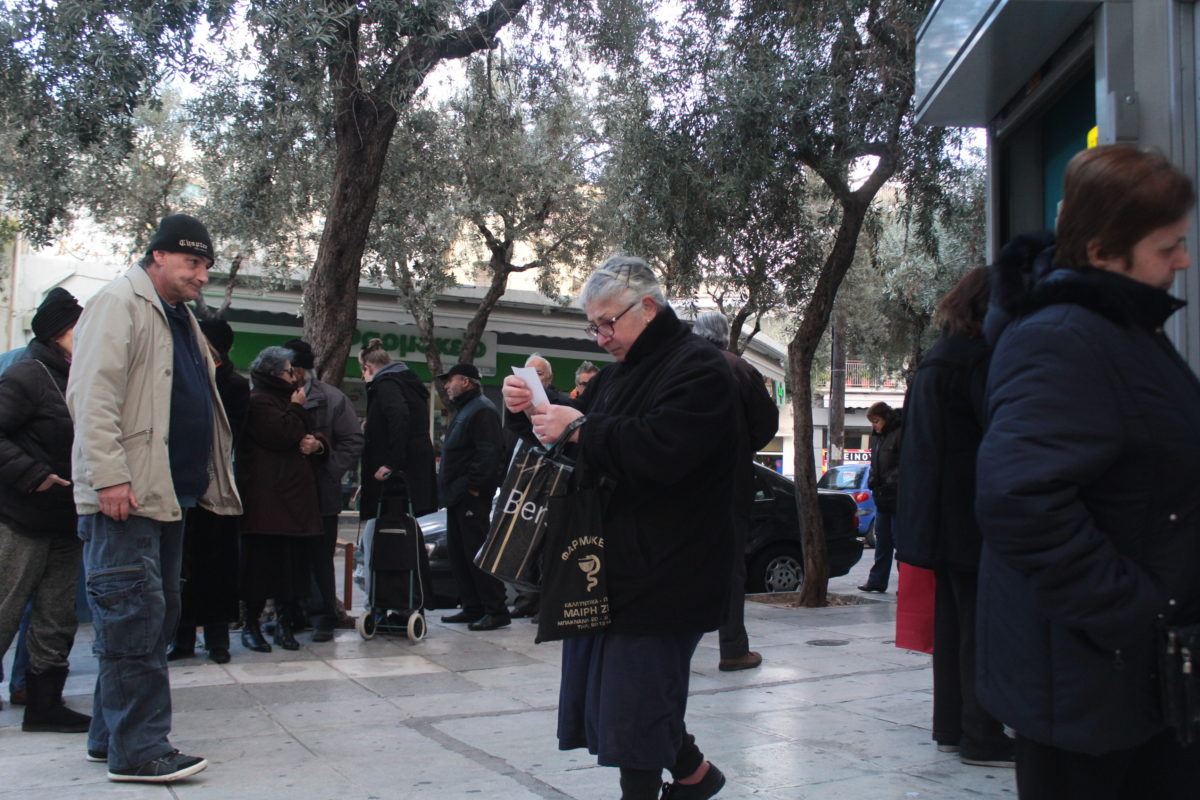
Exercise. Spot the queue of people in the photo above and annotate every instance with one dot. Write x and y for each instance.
(1028, 471)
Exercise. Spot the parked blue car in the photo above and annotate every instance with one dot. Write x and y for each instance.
(854, 480)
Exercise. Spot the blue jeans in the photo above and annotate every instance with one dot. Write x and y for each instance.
(885, 545)
(133, 592)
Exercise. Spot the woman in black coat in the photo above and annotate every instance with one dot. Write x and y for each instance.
(659, 426)
(40, 554)
(278, 483)
(935, 517)
(1086, 490)
(887, 428)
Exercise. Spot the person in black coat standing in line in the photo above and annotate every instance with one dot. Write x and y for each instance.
(472, 459)
(40, 555)
(757, 424)
(935, 519)
(885, 478)
(1086, 489)
(398, 459)
(209, 591)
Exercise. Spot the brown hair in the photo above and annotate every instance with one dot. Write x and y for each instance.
(374, 354)
(880, 410)
(963, 307)
(1113, 197)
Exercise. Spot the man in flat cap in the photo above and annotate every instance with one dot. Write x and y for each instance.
(472, 456)
(151, 441)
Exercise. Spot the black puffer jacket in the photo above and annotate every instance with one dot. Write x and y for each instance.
(943, 424)
(397, 435)
(35, 440)
(1087, 504)
(661, 425)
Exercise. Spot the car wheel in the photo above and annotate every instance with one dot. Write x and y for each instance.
(778, 568)
(870, 537)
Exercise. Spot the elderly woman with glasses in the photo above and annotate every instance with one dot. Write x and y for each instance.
(277, 462)
(660, 429)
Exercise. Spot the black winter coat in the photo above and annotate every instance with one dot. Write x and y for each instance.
(885, 463)
(943, 424)
(1088, 508)
(661, 426)
(277, 482)
(758, 420)
(35, 440)
(473, 457)
(397, 434)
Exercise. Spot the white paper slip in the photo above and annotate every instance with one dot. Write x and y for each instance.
(530, 376)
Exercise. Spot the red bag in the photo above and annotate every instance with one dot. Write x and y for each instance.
(914, 608)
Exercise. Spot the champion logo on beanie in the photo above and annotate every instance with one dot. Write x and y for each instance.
(182, 233)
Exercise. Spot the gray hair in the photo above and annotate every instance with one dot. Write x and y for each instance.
(585, 367)
(713, 326)
(544, 360)
(622, 275)
(270, 360)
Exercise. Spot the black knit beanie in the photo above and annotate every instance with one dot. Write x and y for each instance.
(59, 311)
(181, 233)
(218, 332)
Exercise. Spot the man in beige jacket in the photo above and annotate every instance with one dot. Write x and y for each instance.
(151, 440)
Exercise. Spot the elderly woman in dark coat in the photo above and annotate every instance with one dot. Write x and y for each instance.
(278, 484)
(659, 426)
(1087, 496)
(40, 555)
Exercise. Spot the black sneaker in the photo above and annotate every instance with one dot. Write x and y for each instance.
(170, 767)
(97, 756)
(712, 782)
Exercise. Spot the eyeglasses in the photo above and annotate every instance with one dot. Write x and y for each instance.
(606, 329)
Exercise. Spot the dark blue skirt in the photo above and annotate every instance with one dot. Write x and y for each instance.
(623, 697)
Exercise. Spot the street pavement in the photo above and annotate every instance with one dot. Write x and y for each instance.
(836, 712)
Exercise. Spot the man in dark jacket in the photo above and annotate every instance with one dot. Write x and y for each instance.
(885, 478)
(398, 459)
(472, 457)
(659, 428)
(758, 420)
(333, 415)
(1089, 513)
(39, 551)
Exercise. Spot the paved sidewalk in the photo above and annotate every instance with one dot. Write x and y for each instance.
(835, 712)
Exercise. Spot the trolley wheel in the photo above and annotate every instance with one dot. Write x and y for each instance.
(416, 626)
(366, 624)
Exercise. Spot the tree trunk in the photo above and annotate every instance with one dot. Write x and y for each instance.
(801, 352)
(837, 390)
(331, 294)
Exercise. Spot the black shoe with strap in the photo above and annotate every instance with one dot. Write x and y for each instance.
(712, 782)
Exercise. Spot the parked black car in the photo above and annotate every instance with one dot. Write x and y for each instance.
(774, 558)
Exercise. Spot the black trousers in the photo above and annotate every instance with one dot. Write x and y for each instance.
(325, 598)
(732, 637)
(466, 528)
(1158, 769)
(957, 715)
